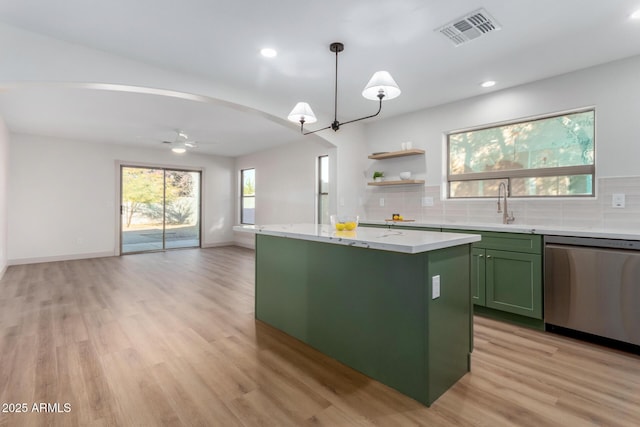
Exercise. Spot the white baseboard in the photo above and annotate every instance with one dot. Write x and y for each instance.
(38, 260)
(234, 243)
(217, 245)
(251, 245)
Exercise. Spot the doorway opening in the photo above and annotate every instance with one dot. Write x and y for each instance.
(159, 209)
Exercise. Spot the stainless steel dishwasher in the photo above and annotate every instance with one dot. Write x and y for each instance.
(593, 285)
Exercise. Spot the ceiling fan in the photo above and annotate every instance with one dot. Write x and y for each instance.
(181, 143)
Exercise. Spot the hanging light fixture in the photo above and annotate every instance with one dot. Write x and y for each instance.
(181, 142)
(381, 86)
(179, 149)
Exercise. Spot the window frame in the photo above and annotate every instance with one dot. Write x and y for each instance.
(243, 196)
(320, 193)
(507, 175)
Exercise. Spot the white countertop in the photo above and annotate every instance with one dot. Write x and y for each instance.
(522, 228)
(406, 241)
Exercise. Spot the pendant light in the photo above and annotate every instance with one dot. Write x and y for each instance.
(381, 86)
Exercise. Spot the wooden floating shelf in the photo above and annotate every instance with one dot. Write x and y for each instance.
(392, 154)
(401, 182)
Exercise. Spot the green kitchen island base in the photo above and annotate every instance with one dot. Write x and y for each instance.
(371, 309)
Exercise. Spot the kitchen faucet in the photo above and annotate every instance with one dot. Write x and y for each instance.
(506, 218)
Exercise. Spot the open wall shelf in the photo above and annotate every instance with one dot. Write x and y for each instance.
(401, 182)
(392, 154)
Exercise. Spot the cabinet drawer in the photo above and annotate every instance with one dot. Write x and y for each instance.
(528, 243)
(516, 242)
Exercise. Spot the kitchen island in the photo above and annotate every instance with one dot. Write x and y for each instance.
(370, 298)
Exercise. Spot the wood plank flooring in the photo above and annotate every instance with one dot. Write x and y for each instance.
(170, 339)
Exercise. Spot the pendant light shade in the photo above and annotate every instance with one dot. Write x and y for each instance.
(381, 83)
(381, 86)
(302, 112)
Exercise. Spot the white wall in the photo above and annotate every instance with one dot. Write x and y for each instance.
(286, 178)
(351, 164)
(4, 188)
(63, 196)
(611, 88)
(285, 184)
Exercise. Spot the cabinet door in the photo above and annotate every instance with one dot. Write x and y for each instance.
(478, 276)
(514, 282)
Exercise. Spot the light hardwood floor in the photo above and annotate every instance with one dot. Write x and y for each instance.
(170, 339)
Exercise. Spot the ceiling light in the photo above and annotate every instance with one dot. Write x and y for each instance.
(636, 14)
(488, 83)
(181, 142)
(267, 52)
(380, 86)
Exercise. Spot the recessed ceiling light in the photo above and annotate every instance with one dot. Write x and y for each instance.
(488, 83)
(267, 52)
(179, 150)
(636, 14)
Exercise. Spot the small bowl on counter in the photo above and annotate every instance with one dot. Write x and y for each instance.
(344, 222)
(405, 175)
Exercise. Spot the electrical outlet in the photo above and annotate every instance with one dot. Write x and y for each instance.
(381, 201)
(427, 201)
(618, 200)
(435, 287)
(341, 201)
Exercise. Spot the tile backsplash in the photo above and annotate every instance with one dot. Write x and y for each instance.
(595, 212)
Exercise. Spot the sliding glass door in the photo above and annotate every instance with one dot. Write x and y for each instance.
(160, 209)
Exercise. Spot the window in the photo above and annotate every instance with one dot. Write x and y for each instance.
(323, 190)
(160, 209)
(550, 156)
(248, 196)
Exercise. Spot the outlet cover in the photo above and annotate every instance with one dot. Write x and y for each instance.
(618, 200)
(381, 201)
(427, 201)
(435, 287)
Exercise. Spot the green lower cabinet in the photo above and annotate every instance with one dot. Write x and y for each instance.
(506, 273)
(410, 227)
(372, 310)
(365, 224)
(513, 282)
(402, 227)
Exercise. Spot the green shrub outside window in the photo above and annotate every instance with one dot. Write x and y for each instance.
(544, 157)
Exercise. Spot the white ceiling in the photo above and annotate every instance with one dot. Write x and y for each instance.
(219, 42)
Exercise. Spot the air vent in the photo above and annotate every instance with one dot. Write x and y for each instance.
(469, 27)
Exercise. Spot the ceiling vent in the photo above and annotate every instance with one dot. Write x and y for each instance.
(469, 27)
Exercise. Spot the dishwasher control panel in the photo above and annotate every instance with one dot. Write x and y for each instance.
(633, 245)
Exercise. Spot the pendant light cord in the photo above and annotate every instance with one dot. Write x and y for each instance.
(337, 48)
(335, 94)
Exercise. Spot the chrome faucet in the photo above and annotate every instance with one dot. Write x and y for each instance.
(506, 217)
